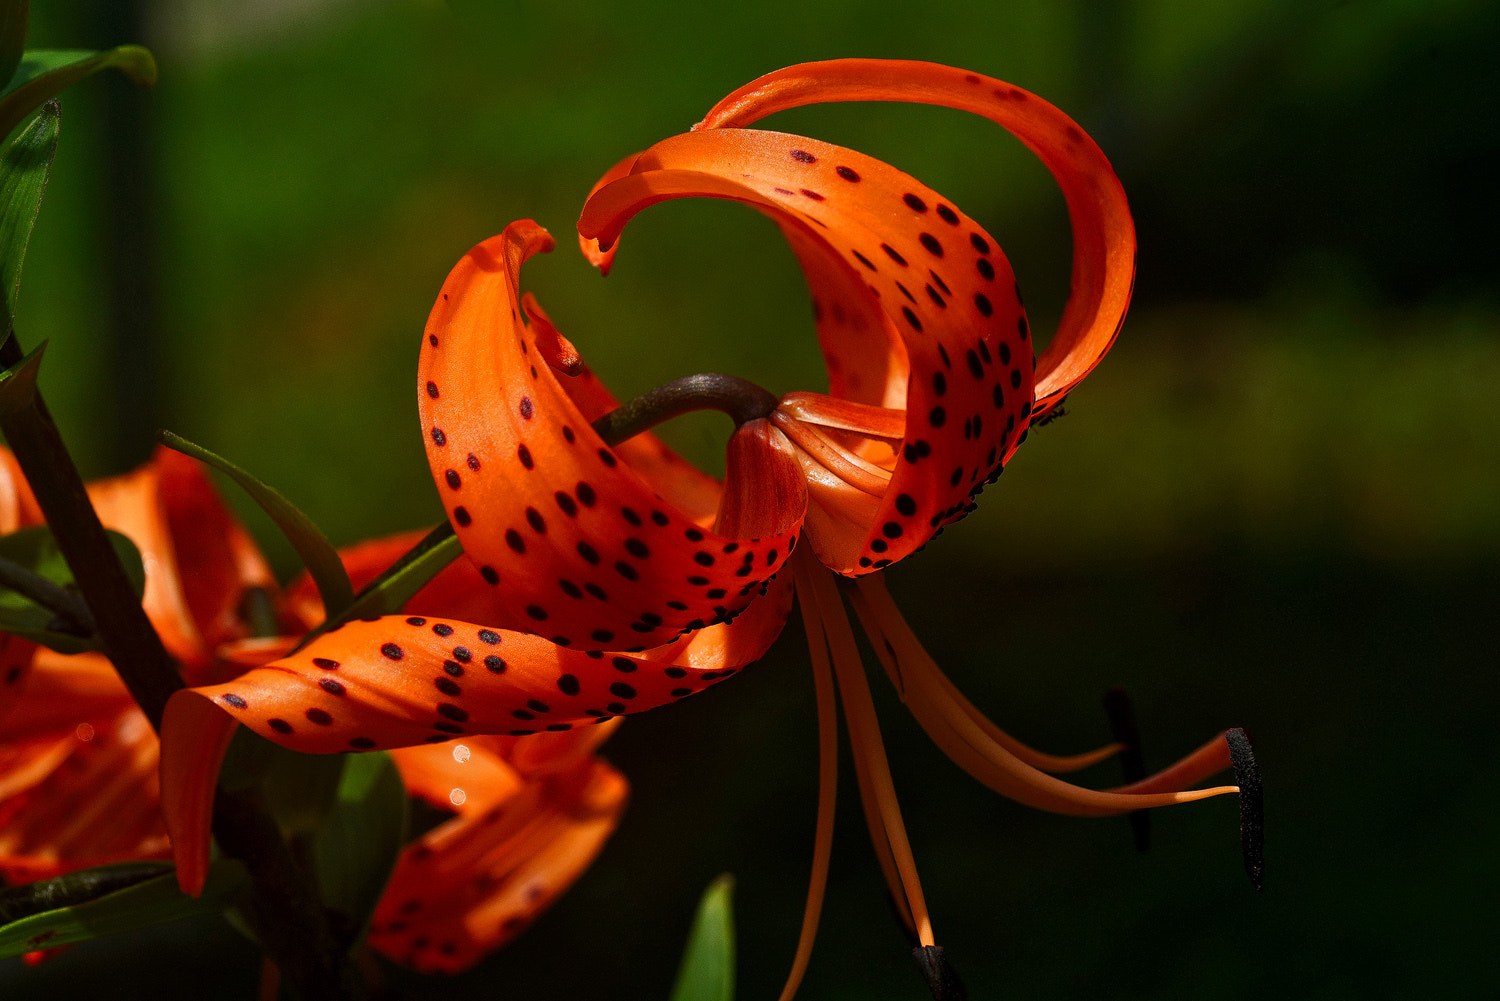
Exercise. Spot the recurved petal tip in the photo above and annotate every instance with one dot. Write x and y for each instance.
(942, 979)
(1252, 809)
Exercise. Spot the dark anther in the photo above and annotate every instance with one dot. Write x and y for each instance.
(942, 979)
(742, 400)
(1252, 808)
(1123, 730)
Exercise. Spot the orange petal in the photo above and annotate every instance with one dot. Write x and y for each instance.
(597, 256)
(912, 270)
(1103, 232)
(15, 664)
(475, 882)
(194, 739)
(199, 560)
(587, 551)
(404, 680)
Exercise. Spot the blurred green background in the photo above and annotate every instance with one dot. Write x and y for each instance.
(1276, 503)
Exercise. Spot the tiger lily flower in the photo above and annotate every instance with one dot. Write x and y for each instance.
(526, 820)
(632, 580)
(74, 748)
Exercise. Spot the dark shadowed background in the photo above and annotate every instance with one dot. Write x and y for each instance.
(1275, 504)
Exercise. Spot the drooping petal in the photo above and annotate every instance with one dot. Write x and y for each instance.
(1103, 233)
(516, 842)
(914, 271)
(588, 552)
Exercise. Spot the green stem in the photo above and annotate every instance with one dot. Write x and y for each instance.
(124, 632)
(286, 912)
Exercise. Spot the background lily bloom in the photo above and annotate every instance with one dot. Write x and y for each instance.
(74, 748)
(528, 818)
(606, 551)
(79, 762)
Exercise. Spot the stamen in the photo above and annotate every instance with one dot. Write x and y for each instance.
(942, 979)
(974, 750)
(1132, 759)
(896, 645)
(1252, 808)
(828, 760)
(869, 751)
(844, 464)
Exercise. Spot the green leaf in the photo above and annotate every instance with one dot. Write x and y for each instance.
(45, 73)
(394, 588)
(111, 899)
(365, 832)
(35, 551)
(312, 545)
(707, 970)
(13, 17)
(25, 167)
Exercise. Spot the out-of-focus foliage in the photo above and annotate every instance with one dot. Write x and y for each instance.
(1273, 504)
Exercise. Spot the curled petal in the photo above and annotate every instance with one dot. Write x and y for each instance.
(896, 264)
(587, 551)
(1103, 232)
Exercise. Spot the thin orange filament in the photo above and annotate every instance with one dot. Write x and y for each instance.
(869, 751)
(828, 760)
(954, 725)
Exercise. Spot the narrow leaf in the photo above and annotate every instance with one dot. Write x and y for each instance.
(707, 971)
(394, 588)
(35, 551)
(312, 545)
(151, 901)
(363, 838)
(45, 73)
(25, 167)
(18, 383)
(17, 902)
(14, 15)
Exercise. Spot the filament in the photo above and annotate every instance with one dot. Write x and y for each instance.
(953, 725)
(828, 761)
(869, 752)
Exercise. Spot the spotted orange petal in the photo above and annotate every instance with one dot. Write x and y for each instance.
(1103, 232)
(587, 549)
(893, 263)
(409, 680)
